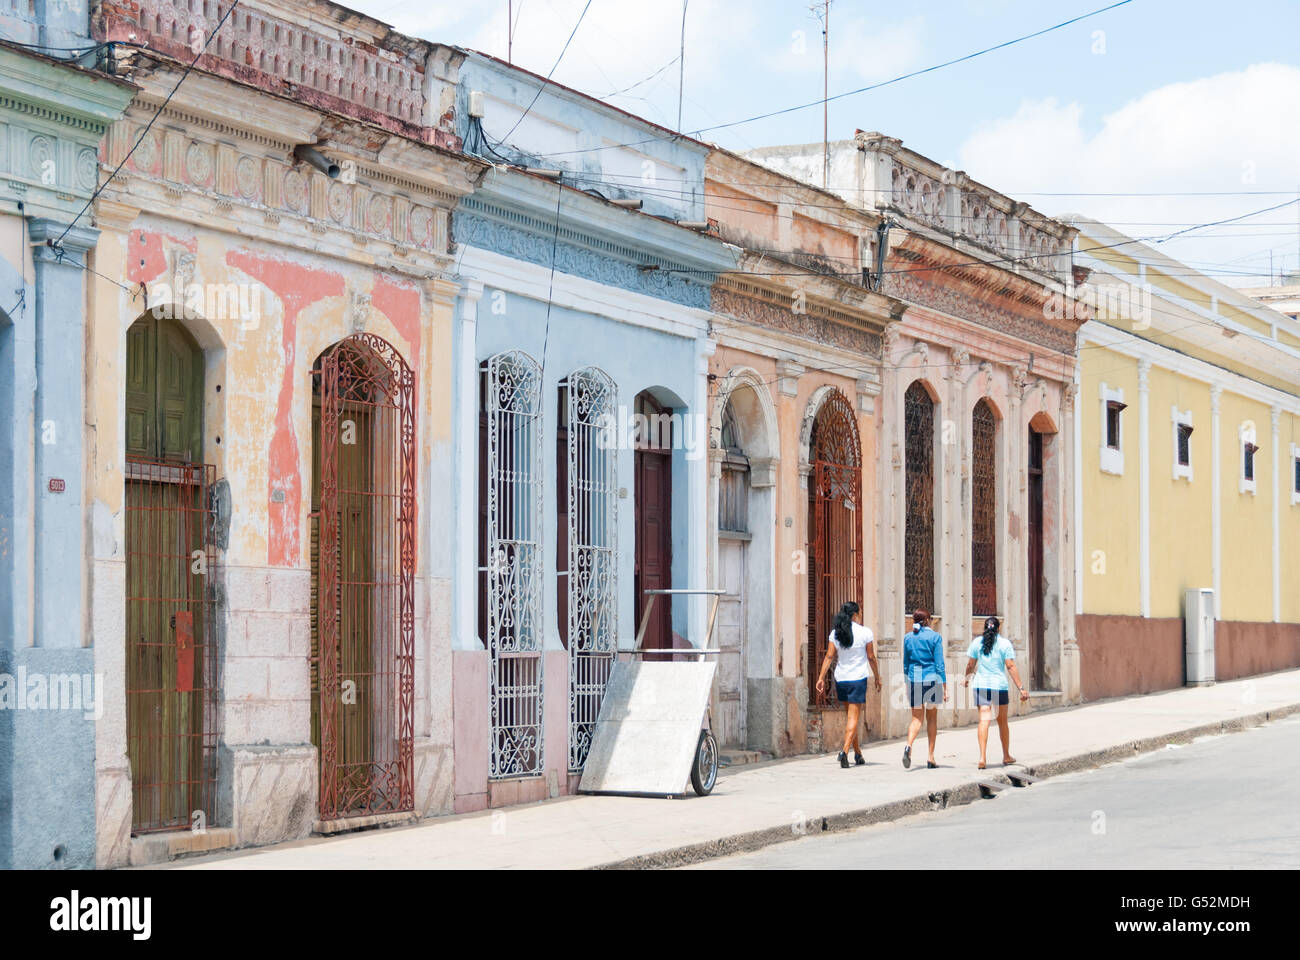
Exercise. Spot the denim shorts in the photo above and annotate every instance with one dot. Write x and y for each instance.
(928, 693)
(984, 698)
(851, 691)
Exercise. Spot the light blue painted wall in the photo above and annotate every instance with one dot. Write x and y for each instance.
(666, 192)
(636, 358)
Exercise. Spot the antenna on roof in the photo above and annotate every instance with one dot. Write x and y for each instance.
(824, 15)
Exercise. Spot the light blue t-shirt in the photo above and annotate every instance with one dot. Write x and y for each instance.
(991, 672)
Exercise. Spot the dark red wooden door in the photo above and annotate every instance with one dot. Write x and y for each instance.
(654, 551)
(1036, 630)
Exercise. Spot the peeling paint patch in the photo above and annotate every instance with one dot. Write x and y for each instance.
(146, 258)
(297, 287)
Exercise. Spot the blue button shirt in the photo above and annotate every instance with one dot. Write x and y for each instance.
(923, 657)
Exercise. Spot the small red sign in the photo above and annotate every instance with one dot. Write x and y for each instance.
(58, 485)
(183, 622)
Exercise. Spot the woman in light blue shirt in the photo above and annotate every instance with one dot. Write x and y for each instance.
(926, 679)
(992, 657)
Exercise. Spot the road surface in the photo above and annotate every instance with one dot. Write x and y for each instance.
(1225, 801)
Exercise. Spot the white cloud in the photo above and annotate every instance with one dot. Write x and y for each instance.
(1237, 131)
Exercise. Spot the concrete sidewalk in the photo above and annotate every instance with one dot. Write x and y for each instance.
(759, 804)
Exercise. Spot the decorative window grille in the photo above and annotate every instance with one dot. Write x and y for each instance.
(513, 534)
(591, 623)
(984, 507)
(733, 484)
(918, 411)
(835, 527)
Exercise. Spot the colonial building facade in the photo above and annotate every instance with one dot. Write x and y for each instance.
(974, 514)
(582, 353)
(269, 380)
(1188, 445)
(53, 113)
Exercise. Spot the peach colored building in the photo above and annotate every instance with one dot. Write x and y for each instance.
(960, 373)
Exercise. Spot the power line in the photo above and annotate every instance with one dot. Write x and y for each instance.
(850, 93)
(563, 50)
(148, 126)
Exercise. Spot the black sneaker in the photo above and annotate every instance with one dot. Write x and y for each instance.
(931, 765)
(858, 761)
(844, 761)
(907, 757)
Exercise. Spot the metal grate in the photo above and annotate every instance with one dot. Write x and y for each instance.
(363, 645)
(171, 644)
(919, 442)
(835, 535)
(514, 563)
(984, 509)
(592, 611)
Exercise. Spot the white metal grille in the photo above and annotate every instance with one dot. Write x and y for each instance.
(514, 561)
(593, 479)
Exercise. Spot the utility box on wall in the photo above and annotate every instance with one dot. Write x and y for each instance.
(1198, 632)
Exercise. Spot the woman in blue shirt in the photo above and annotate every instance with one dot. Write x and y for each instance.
(924, 674)
(992, 657)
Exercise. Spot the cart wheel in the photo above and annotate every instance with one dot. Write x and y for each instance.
(704, 772)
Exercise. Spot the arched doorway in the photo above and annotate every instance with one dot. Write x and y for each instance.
(834, 525)
(654, 519)
(362, 560)
(918, 416)
(171, 649)
(734, 538)
(984, 510)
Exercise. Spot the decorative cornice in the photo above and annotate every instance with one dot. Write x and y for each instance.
(826, 325)
(521, 236)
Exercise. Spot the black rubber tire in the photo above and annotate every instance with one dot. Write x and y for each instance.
(704, 771)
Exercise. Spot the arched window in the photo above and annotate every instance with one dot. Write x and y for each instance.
(510, 560)
(919, 442)
(834, 526)
(587, 454)
(733, 484)
(984, 510)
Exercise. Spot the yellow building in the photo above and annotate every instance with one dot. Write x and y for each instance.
(1187, 428)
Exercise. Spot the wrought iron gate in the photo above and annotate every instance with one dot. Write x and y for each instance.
(513, 401)
(363, 649)
(171, 649)
(984, 507)
(592, 561)
(919, 535)
(835, 548)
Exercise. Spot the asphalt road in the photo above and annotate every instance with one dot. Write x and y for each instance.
(1220, 802)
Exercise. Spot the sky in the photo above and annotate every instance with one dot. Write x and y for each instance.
(1149, 99)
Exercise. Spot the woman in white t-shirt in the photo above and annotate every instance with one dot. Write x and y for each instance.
(850, 648)
(992, 657)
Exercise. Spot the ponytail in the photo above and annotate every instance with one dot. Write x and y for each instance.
(990, 634)
(844, 624)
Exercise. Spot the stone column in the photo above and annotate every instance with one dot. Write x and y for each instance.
(465, 619)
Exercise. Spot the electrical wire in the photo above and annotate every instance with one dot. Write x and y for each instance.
(541, 88)
(147, 127)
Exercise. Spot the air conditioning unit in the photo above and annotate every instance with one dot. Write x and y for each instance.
(1198, 632)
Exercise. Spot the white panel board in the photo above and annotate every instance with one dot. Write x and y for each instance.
(649, 727)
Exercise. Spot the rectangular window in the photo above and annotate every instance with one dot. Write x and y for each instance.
(1184, 445)
(1248, 461)
(1113, 410)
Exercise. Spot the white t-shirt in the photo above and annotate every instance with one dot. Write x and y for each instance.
(851, 661)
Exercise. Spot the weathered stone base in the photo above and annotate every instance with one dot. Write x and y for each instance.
(267, 794)
(434, 779)
(775, 711)
(47, 759)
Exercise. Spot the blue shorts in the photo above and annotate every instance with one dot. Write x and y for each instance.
(851, 691)
(927, 693)
(984, 698)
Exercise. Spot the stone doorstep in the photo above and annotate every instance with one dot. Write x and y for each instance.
(329, 828)
(149, 848)
(737, 758)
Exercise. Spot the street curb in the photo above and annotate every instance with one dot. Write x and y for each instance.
(927, 802)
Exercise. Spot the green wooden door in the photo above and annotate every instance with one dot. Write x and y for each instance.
(167, 567)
